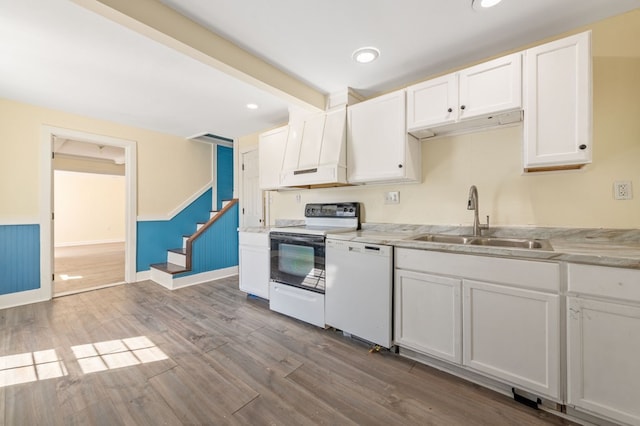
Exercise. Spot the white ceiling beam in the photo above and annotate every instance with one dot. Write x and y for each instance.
(164, 25)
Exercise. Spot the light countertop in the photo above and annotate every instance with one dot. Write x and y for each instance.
(603, 247)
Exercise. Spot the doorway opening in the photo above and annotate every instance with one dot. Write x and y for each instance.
(89, 220)
(88, 224)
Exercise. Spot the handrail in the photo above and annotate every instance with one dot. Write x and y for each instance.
(204, 227)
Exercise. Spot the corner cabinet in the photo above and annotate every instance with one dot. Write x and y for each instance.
(271, 151)
(254, 263)
(491, 316)
(378, 146)
(557, 104)
(603, 342)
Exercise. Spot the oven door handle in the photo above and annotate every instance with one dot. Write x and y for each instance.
(313, 239)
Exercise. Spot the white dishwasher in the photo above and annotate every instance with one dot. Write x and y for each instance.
(358, 295)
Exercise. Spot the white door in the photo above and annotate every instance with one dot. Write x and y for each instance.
(513, 335)
(428, 314)
(602, 352)
(251, 200)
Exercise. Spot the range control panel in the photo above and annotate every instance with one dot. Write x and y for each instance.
(332, 210)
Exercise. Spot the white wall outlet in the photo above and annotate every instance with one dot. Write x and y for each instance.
(298, 198)
(392, 197)
(622, 190)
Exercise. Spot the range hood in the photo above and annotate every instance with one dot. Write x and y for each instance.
(315, 154)
(474, 124)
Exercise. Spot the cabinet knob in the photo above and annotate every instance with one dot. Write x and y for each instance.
(449, 110)
(583, 146)
(399, 166)
(462, 107)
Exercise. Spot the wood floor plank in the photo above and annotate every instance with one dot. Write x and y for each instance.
(292, 402)
(226, 359)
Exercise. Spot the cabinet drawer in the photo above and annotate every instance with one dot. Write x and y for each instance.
(616, 283)
(260, 239)
(544, 276)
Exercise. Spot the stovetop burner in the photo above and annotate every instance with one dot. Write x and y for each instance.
(327, 218)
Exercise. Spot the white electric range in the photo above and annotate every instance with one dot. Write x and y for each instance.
(297, 281)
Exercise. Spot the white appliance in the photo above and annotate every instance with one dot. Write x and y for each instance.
(297, 277)
(358, 296)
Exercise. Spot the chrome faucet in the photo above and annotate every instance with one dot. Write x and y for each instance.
(473, 204)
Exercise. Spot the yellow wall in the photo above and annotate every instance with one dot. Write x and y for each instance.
(89, 208)
(491, 160)
(170, 169)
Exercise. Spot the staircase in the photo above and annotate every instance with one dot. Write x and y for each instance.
(178, 271)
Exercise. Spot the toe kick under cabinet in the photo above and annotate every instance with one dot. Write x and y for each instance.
(496, 317)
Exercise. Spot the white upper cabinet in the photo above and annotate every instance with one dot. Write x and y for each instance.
(491, 87)
(432, 102)
(271, 148)
(557, 104)
(378, 146)
(480, 91)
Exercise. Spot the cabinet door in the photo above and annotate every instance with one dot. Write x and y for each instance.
(491, 87)
(376, 135)
(602, 352)
(427, 314)
(433, 102)
(557, 103)
(271, 148)
(513, 335)
(253, 266)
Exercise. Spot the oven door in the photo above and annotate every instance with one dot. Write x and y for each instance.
(298, 260)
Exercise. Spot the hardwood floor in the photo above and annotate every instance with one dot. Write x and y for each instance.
(79, 268)
(142, 355)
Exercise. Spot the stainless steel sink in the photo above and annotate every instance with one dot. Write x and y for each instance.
(511, 242)
(523, 243)
(443, 238)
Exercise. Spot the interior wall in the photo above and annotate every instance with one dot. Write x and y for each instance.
(492, 160)
(170, 168)
(89, 208)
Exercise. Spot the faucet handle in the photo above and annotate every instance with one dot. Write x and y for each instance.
(487, 225)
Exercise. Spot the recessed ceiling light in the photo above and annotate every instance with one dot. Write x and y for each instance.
(483, 4)
(252, 106)
(364, 55)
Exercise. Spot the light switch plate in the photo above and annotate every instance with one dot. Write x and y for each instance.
(392, 197)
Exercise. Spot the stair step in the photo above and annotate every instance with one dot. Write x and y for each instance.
(199, 225)
(213, 213)
(177, 256)
(169, 268)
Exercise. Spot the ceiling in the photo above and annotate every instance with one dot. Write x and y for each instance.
(78, 56)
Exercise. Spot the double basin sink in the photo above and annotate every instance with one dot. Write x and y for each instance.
(521, 243)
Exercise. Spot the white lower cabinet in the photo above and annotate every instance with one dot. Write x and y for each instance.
(513, 334)
(499, 318)
(603, 359)
(428, 314)
(254, 263)
(603, 342)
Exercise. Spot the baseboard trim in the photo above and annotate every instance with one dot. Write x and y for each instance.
(88, 243)
(194, 279)
(26, 297)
